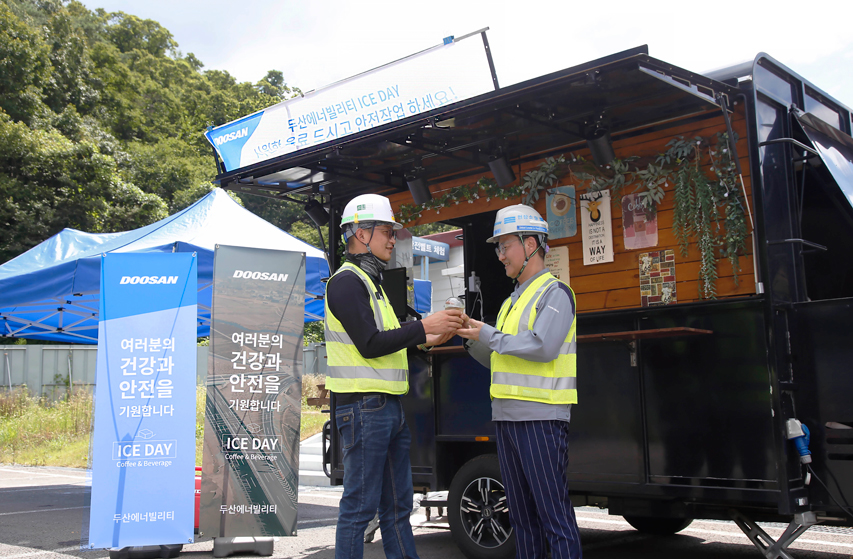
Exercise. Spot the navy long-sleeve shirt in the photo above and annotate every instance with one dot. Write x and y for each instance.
(349, 301)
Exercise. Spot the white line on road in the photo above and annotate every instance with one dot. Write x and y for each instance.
(45, 488)
(42, 552)
(39, 510)
(77, 475)
(717, 533)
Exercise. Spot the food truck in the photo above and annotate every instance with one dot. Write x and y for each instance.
(705, 224)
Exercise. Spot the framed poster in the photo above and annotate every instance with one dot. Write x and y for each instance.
(557, 262)
(657, 278)
(596, 227)
(561, 212)
(639, 225)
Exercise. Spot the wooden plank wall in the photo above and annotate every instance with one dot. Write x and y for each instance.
(616, 285)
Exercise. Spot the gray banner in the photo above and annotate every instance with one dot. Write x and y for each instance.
(254, 394)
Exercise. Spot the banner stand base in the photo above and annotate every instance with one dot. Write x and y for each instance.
(223, 547)
(147, 551)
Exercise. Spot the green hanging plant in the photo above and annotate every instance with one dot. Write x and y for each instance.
(538, 179)
(709, 212)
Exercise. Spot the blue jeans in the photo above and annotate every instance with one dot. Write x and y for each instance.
(377, 475)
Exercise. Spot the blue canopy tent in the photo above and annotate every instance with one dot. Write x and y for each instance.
(51, 292)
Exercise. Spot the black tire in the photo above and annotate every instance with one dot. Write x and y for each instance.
(477, 510)
(658, 526)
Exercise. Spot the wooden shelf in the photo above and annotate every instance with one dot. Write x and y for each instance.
(632, 335)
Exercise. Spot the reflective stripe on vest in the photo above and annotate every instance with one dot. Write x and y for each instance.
(554, 382)
(348, 371)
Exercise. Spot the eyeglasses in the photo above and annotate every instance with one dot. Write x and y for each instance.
(500, 250)
(391, 233)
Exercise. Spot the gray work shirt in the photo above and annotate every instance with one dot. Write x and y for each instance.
(555, 313)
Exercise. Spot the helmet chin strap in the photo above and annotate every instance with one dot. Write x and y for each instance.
(528, 257)
(367, 244)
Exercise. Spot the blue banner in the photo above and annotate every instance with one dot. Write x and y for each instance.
(435, 250)
(436, 77)
(143, 449)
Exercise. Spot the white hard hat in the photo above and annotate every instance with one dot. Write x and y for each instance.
(369, 207)
(518, 219)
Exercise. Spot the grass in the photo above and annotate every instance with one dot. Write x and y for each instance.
(45, 432)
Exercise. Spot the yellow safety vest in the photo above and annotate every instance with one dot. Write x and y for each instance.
(515, 378)
(348, 371)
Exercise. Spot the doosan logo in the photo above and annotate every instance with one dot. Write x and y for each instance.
(265, 276)
(133, 280)
(225, 138)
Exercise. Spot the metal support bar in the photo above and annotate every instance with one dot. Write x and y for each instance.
(789, 141)
(489, 58)
(799, 241)
(419, 144)
(8, 369)
(770, 548)
(552, 124)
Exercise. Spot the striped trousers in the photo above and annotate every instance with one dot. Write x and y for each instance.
(534, 456)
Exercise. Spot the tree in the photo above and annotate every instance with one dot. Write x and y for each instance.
(24, 66)
(129, 33)
(102, 121)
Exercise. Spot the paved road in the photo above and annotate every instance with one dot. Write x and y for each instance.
(42, 510)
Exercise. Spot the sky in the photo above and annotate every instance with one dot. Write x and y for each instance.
(318, 43)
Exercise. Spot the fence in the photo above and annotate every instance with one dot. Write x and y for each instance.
(49, 370)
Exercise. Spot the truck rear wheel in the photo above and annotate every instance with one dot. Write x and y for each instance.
(477, 510)
(658, 526)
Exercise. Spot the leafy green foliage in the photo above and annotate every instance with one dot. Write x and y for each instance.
(710, 211)
(102, 121)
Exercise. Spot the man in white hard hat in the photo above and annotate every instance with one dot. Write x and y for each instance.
(367, 372)
(531, 353)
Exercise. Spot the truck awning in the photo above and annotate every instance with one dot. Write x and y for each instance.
(623, 94)
(835, 149)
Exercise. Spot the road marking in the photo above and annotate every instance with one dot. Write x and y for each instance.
(40, 510)
(32, 473)
(798, 540)
(45, 488)
(320, 496)
(314, 521)
(729, 533)
(43, 551)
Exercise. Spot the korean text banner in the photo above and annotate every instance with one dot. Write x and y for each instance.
(143, 450)
(254, 394)
(432, 249)
(419, 83)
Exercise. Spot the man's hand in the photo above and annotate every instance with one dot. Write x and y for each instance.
(443, 322)
(434, 339)
(472, 332)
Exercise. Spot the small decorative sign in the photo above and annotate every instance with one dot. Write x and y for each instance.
(657, 278)
(597, 227)
(557, 262)
(561, 214)
(639, 226)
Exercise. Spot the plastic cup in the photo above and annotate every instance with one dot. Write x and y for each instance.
(454, 303)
